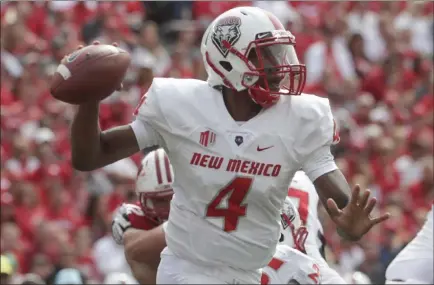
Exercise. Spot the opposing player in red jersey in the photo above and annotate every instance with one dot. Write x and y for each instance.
(139, 227)
(235, 142)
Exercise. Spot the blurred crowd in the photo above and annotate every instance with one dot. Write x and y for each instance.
(373, 60)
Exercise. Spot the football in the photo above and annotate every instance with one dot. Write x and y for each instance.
(91, 73)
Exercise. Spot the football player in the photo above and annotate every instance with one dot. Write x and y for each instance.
(235, 142)
(290, 264)
(414, 264)
(139, 227)
(303, 195)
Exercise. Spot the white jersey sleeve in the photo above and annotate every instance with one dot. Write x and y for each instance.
(288, 265)
(150, 121)
(415, 262)
(318, 134)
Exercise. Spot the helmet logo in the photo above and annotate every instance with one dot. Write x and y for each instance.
(287, 215)
(226, 29)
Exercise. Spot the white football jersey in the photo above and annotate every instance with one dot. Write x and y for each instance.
(303, 195)
(231, 178)
(289, 264)
(414, 263)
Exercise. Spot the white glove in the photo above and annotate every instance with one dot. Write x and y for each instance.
(121, 223)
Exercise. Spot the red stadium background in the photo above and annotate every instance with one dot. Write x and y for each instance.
(373, 60)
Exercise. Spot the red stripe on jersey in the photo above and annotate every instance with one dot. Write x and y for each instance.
(336, 137)
(265, 280)
(315, 276)
(276, 23)
(275, 263)
(158, 168)
(142, 100)
(167, 166)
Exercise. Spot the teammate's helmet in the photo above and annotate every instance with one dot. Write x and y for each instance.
(249, 48)
(154, 184)
(293, 233)
(357, 278)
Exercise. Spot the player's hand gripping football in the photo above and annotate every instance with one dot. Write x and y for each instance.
(94, 43)
(355, 220)
(126, 216)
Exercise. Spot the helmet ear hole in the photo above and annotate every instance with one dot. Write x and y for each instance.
(282, 238)
(226, 65)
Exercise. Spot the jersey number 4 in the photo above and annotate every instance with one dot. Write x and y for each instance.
(234, 193)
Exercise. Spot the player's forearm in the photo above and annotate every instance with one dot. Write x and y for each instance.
(333, 185)
(85, 136)
(144, 246)
(91, 148)
(142, 272)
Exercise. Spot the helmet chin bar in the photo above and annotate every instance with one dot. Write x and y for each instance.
(150, 209)
(263, 97)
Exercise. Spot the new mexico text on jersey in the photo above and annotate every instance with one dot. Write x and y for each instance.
(231, 178)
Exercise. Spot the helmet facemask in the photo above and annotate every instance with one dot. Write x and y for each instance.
(272, 65)
(156, 204)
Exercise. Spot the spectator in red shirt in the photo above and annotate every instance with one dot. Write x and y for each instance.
(392, 75)
(422, 192)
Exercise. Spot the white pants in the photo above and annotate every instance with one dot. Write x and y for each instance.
(174, 270)
(415, 261)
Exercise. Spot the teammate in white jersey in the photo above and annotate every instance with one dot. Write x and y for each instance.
(235, 142)
(304, 196)
(414, 264)
(290, 264)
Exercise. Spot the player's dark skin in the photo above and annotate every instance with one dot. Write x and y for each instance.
(93, 148)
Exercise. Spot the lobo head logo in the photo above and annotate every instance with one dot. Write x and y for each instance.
(226, 29)
(287, 214)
